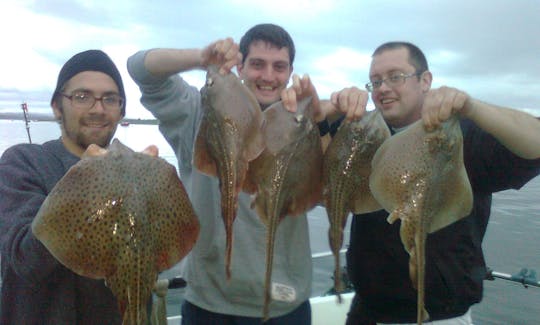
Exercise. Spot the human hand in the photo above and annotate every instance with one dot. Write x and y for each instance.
(223, 53)
(300, 89)
(151, 150)
(350, 101)
(441, 103)
(94, 150)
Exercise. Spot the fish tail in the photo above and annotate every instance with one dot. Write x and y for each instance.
(228, 206)
(134, 313)
(338, 282)
(420, 249)
(229, 219)
(336, 240)
(272, 227)
(337, 214)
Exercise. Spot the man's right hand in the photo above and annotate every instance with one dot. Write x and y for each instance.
(223, 53)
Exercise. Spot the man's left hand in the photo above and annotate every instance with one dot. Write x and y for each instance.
(441, 103)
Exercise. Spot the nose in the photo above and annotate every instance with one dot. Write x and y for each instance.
(268, 73)
(383, 87)
(98, 105)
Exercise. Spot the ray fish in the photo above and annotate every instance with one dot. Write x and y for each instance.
(228, 138)
(346, 170)
(124, 217)
(419, 177)
(286, 177)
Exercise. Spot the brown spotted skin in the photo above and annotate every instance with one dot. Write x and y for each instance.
(346, 170)
(419, 177)
(286, 177)
(228, 138)
(123, 217)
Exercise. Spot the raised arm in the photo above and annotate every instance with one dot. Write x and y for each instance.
(516, 130)
(166, 62)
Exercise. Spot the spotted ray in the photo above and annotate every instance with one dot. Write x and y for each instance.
(286, 177)
(228, 138)
(420, 178)
(346, 170)
(123, 217)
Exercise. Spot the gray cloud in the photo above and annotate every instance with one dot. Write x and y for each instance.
(487, 48)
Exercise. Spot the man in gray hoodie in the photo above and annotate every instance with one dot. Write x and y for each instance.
(264, 59)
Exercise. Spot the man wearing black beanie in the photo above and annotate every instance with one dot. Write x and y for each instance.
(91, 60)
(88, 101)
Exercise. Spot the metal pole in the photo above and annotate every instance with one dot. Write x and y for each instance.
(525, 276)
(25, 112)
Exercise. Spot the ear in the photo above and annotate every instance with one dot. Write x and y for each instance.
(240, 69)
(57, 111)
(426, 78)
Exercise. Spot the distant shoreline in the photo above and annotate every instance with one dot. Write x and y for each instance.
(42, 117)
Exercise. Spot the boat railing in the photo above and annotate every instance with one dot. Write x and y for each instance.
(526, 277)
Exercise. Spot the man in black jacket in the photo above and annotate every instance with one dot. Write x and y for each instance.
(501, 150)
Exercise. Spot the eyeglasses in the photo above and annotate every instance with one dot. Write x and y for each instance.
(394, 80)
(85, 100)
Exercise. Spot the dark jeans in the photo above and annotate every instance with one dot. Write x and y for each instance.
(193, 315)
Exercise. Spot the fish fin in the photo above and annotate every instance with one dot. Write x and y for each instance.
(278, 118)
(392, 217)
(260, 206)
(257, 145)
(249, 185)
(365, 204)
(272, 128)
(301, 205)
(457, 202)
(202, 159)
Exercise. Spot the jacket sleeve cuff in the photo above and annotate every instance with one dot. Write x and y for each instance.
(324, 127)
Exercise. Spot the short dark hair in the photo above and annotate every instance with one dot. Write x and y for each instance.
(270, 33)
(416, 58)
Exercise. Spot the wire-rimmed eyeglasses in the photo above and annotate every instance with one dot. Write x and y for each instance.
(85, 100)
(394, 80)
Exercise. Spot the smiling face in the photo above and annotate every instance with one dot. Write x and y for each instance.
(82, 127)
(266, 71)
(400, 105)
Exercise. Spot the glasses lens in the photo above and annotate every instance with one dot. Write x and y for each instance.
(112, 101)
(82, 99)
(396, 79)
(369, 87)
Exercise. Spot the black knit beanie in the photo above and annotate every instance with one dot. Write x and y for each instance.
(91, 60)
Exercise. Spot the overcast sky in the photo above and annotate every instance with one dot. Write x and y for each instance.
(489, 48)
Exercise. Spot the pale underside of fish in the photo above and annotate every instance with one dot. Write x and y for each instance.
(286, 177)
(420, 178)
(346, 170)
(228, 138)
(123, 217)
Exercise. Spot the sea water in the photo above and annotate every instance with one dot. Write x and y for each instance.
(512, 241)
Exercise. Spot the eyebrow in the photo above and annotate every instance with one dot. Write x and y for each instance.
(255, 59)
(387, 73)
(106, 93)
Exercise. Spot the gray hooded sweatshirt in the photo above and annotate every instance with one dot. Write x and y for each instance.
(177, 106)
